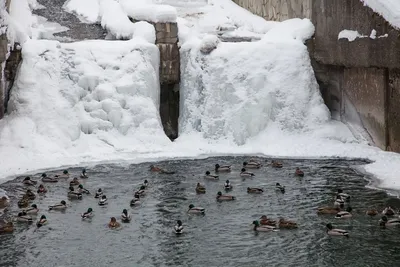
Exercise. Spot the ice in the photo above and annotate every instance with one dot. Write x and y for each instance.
(388, 9)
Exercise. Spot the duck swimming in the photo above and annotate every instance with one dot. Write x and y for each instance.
(74, 181)
(372, 212)
(42, 221)
(28, 181)
(83, 174)
(344, 214)
(385, 222)
(224, 168)
(125, 216)
(88, 214)
(135, 202)
(46, 179)
(228, 185)
(209, 176)
(4, 202)
(65, 174)
(200, 189)
(328, 210)
(8, 227)
(251, 165)
(279, 187)
(343, 196)
(113, 224)
(299, 172)
(222, 197)
(196, 210)
(339, 202)
(286, 224)
(30, 195)
(145, 184)
(41, 189)
(254, 190)
(388, 211)
(263, 228)
(160, 170)
(265, 221)
(74, 195)
(103, 200)
(142, 191)
(33, 210)
(336, 232)
(62, 206)
(99, 193)
(245, 173)
(276, 164)
(23, 217)
(82, 190)
(24, 202)
(178, 227)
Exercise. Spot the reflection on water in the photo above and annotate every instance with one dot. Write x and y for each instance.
(223, 236)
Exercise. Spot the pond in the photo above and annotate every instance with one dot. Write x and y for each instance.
(223, 236)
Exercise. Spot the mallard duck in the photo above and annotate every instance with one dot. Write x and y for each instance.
(103, 200)
(279, 187)
(88, 214)
(145, 184)
(276, 164)
(24, 202)
(41, 189)
(385, 222)
(27, 181)
(99, 193)
(372, 212)
(141, 191)
(135, 202)
(209, 176)
(125, 216)
(32, 210)
(224, 168)
(228, 185)
(336, 232)
(265, 221)
(254, 190)
(339, 202)
(263, 228)
(61, 206)
(46, 179)
(30, 195)
(328, 210)
(160, 170)
(23, 217)
(74, 195)
(388, 211)
(65, 174)
(136, 195)
(83, 174)
(251, 165)
(245, 173)
(42, 221)
(74, 181)
(343, 196)
(221, 197)
(7, 228)
(299, 172)
(83, 190)
(178, 227)
(200, 189)
(113, 224)
(344, 214)
(286, 224)
(4, 202)
(196, 210)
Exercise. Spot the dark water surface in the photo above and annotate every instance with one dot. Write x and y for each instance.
(223, 237)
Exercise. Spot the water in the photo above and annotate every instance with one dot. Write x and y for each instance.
(223, 236)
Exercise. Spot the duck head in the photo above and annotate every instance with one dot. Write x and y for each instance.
(340, 191)
(71, 189)
(142, 187)
(103, 197)
(75, 179)
(179, 222)
(243, 169)
(146, 182)
(80, 186)
(27, 178)
(34, 206)
(264, 217)
(89, 210)
(191, 206)
(83, 171)
(219, 193)
(278, 184)
(41, 186)
(329, 226)
(44, 175)
(65, 172)
(256, 223)
(207, 173)
(63, 202)
(113, 220)
(227, 181)
(245, 163)
(217, 166)
(43, 217)
(349, 209)
(99, 191)
(125, 211)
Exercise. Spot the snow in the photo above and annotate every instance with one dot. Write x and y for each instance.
(149, 12)
(349, 35)
(88, 11)
(388, 9)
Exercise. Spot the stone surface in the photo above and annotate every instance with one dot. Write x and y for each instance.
(394, 110)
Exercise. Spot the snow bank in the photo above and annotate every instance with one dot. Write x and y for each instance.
(149, 12)
(88, 11)
(388, 9)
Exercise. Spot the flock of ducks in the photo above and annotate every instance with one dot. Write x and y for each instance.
(264, 224)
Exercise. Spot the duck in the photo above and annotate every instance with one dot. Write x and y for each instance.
(282, 223)
(196, 210)
(328, 210)
(221, 197)
(8, 227)
(265, 221)
(336, 232)
(280, 187)
(385, 222)
(103, 200)
(254, 190)
(388, 211)
(88, 214)
(339, 202)
(62, 206)
(344, 214)
(99, 193)
(4, 202)
(33, 210)
(30, 195)
(27, 181)
(24, 202)
(145, 184)
(178, 228)
(125, 216)
(299, 172)
(135, 202)
(209, 176)
(141, 191)
(343, 196)
(74, 195)
(263, 228)
(224, 168)
(113, 224)
(200, 189)
(46, 179)
(228, 185)
(83, 174)
(41, 189)
(23, 217)
(160, 170)
(82, 190)
(74, 181)
(65, 174)
(251, 165)
(245, 173)
(372, 212)
(42, 221)
(276, 164)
